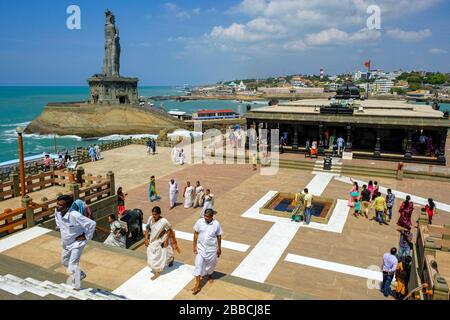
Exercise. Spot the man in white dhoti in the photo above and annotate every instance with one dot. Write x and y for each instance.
(117, 237)
(173, 193)
(76, 230)
(181, 157)
(188, 195)
(160, 242)
(97, 152)
(199, 192)
(175, 155)
(207, 247)
(208, 202)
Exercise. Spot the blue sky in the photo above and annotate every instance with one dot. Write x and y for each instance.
(198, 42)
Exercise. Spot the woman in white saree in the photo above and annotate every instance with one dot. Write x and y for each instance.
(160, 241)
(188, 195)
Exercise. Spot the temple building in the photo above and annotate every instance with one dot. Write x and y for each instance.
(109, 87)
(388, 129)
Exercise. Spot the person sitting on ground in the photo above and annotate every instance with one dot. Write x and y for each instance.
(314, 151)
(60, 162)
(117, 237)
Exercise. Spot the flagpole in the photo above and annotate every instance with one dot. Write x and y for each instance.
(367, 79)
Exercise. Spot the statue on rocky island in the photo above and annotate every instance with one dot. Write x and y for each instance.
(111, 63)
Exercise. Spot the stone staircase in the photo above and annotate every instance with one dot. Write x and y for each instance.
(44, 289)
(336, 167)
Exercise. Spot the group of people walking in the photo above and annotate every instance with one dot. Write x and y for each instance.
(161, 243)
(397, 262)
(370, 198)
(151, 147)
(94, 152)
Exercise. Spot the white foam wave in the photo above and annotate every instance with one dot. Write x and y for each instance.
(115, 137)
(21, 124)
(12, 134)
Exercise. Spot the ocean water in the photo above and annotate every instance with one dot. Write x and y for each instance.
(20, 105)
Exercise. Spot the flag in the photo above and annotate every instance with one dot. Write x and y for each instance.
(367, 64)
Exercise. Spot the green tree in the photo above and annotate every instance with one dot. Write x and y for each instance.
(437, 78)
(414, 79)
(415, 86)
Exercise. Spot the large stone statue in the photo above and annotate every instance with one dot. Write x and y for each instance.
(111, 63)
(109, 87)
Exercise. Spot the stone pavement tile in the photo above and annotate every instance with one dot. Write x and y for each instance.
(132, 166)
(228, 291)
(109, 278)
(104, 257)
(52, 244)
(27, 252)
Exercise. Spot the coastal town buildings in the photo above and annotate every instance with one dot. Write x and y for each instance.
(382, 86)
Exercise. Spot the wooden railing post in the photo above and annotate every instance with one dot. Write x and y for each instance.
(41, 180)
(80, 174)
(75, 188)
(112, 186)
(29, 213)
(16, 183)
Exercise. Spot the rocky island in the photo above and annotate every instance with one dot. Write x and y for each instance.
(112, 107)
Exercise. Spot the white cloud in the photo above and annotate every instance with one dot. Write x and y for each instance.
(336, 36)
(296, 45)
(437, 51)
(266, 26)
(179, 12)
(408, 36)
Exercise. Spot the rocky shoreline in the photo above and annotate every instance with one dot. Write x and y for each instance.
(89, 121)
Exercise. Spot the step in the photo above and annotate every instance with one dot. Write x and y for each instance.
(11, 287)
(30, 287)
(50, 287)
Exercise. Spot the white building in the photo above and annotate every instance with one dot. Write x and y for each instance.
(242, 86)
(359, 75)
(383, 85)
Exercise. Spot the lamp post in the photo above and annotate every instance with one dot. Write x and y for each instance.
(20, 131)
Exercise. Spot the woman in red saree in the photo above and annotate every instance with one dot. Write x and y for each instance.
(406, 210)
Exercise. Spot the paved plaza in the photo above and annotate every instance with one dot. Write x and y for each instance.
(264, 257)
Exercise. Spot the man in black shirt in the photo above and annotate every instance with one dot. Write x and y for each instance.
(365, 200)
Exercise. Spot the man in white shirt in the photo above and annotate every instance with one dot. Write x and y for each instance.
(76, 231)
(340, 142)
(207, 247)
